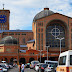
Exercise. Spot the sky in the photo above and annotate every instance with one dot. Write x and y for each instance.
(22, 12)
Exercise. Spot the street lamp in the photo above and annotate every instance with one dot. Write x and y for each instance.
(60, 42)
(40, 55)
(47, 51)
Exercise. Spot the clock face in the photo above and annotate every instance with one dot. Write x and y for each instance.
(3, 18)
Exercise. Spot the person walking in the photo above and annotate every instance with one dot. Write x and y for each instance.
(22, 67)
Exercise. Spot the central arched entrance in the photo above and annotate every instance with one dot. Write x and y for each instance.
(31, 59)
(22, 60)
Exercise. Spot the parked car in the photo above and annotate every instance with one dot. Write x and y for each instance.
(4, 68)
(41, 69)
(33, 63)
(27, 65)
(38, 66)
(1, 68)
(10, 66)
(5, 64)
(3, 61)
(49, 68)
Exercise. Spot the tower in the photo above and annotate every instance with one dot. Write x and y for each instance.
(4, 19)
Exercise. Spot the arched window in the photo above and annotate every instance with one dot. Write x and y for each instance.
(29, 39)
(24, 40)
(53, 31)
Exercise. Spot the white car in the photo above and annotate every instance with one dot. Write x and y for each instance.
(4, 69)
(3, 61)
(10, 66)
(1, 68)
(49, 68)
(33, 63)
(37, 66)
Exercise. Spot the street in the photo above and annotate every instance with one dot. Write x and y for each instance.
(17, 70)
(14, 69)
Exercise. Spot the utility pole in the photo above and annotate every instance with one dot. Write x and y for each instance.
(47, 51)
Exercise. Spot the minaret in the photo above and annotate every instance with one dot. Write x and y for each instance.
(4, 19)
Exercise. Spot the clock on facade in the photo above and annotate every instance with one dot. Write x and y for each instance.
(3, 18)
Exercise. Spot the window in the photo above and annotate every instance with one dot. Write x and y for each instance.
(33, 53)
(62, 60)
(17, 34)
(11, 33)
(52, 31)
(71, 24)
(5, 34)
(70, 59)
(39, 30)
(40, 24)
(24, 40)
(23, 34)
(71, 30)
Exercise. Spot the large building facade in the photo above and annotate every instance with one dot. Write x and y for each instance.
(48, 29)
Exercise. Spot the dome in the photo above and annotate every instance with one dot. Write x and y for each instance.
(8, 40)
(44, 13)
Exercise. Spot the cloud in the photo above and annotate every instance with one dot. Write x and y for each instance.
(22, 12)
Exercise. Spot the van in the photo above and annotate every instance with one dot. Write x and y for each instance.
(65, 62)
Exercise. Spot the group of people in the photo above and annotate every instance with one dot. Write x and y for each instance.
(21, 67)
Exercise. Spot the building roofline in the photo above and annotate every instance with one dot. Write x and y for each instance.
(1, 31)
(53, 14)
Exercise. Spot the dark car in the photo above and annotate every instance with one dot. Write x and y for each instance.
(42, 67)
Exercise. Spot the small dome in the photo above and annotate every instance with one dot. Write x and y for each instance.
(8, 40)
(44, 13)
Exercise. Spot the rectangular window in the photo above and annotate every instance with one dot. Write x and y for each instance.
(17, 34)
(5, 34)
(11, 33)
(62, 60)
(23, 34)
(71, 30)
(70, 59)
(42, 30)
(39, 30)
(71, 24)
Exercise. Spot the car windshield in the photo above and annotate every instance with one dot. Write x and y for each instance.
(35, 62)
(44, 65)
(62, 60)
(0, 66)
(51, 65)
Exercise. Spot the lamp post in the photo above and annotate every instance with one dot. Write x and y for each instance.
(40, 55)
(47, 51)
(60, 42)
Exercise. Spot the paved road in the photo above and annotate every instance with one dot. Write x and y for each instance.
(17, 70)
(14, 70)
(29, 70)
